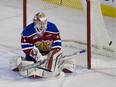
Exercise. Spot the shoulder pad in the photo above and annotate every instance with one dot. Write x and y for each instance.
(29, 30)
(52, 28)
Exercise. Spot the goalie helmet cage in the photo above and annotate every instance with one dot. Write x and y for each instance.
(91, 15)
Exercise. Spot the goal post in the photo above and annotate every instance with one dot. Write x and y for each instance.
(24, 13)
(88, 35)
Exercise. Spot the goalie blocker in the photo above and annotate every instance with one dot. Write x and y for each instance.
(51, 67)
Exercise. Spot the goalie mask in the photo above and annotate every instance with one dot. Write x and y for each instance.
(40, 23)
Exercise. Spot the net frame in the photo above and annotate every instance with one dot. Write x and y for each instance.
(88, 29)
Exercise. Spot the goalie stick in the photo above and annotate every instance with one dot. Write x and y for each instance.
(75, 53)
(64, 57)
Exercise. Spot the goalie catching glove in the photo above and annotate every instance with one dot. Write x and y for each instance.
(36, 54)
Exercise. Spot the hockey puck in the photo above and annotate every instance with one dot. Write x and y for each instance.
(110, 43)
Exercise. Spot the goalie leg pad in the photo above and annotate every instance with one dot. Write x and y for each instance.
(14, 62)
(33, 72)
(29, 72)
(36, 72)
(54, 63)
(18, 64)
(69, 66)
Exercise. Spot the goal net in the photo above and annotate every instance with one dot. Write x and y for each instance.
(70, 16)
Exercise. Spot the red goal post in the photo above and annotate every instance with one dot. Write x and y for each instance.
(88, 35)
(24, 13)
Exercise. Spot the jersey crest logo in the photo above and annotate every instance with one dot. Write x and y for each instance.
(44, 45)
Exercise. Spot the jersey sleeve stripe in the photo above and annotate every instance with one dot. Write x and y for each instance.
(56, 47)
(27, 48)
(52, 32)
(56, 44)
(57, 41)
(25, 44)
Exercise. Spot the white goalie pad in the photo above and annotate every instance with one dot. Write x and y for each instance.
(58, 64)
(29, 72)
(42, 71)
(70, 65)
(15, 61)
(55, 61)
(20, 63)
(34, 72)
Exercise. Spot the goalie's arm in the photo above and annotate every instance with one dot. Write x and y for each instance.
(26, 45)
(57, 44)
